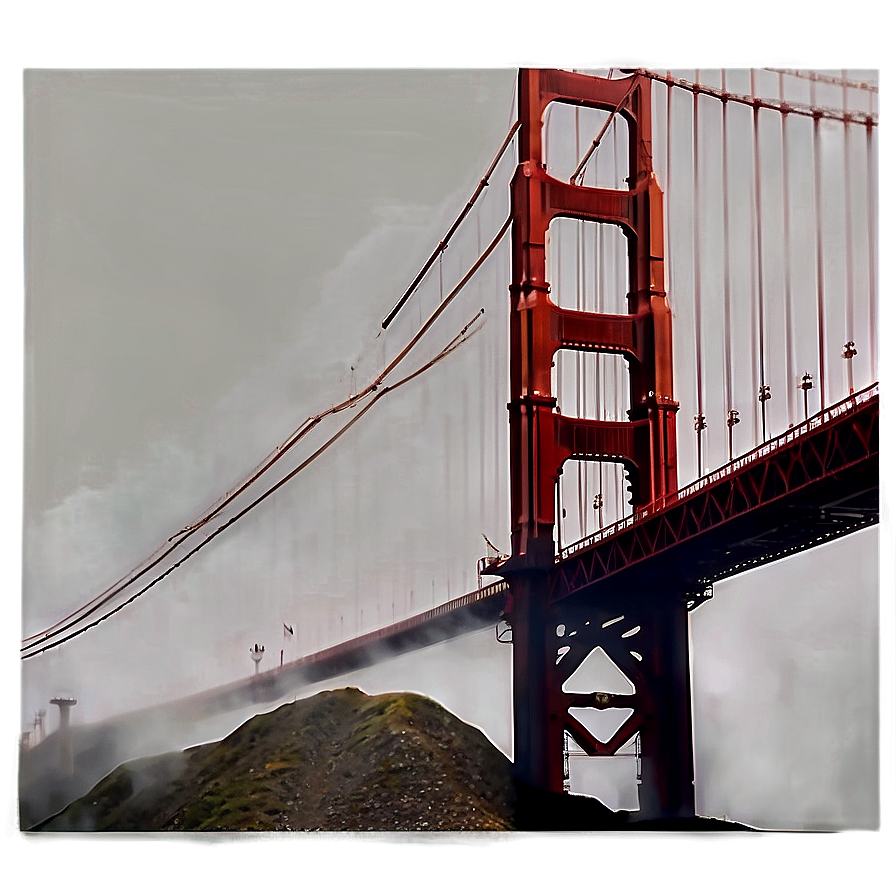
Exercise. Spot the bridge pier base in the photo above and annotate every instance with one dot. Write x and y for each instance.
(666, 786)
(537, 724)
(646, 637)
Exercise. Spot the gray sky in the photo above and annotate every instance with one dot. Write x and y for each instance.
(209, 254)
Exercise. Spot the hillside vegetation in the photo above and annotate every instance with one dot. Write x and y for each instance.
(341, 760)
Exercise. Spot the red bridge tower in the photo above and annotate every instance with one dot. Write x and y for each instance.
(541, 440)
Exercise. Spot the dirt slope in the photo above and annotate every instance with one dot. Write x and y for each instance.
(340, 760)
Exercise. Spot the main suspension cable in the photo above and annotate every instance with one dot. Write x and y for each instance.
(826, 79)
(175, 541)
(454, 344)
(579, 173)
(811, 111)
(443, 243)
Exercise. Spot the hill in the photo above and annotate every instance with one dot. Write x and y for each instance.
(338, 761)
(341, 760)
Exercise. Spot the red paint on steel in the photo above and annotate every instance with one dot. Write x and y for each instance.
(541, 440)
(772, 478)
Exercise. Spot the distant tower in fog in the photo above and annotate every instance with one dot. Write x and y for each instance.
(66, 751)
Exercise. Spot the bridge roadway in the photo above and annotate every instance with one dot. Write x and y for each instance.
(816, 482)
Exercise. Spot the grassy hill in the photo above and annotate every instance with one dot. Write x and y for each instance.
(338, 761)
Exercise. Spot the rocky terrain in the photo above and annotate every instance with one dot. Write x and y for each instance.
(338, 761)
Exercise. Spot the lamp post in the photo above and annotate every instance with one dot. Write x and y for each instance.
(806, 385)
(257, 654)
(733, 420)
(765, 394)
(699, 426)
(849, 352)
(598, 506)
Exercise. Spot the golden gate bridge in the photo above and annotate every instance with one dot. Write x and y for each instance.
(692, 269)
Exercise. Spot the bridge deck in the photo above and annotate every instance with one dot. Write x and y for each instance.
(814, 483)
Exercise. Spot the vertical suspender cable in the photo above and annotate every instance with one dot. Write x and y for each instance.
(356, 465)
(254, 576)
(726, 254)
(586, 366)
(754, 328)
(556, 280)
(446, 441)
(480, 394)
(272, 563)
(559, 361)
(757, 183)
(466, 506)
(789, 350)
(872, 234)
(600, 277)
(698, 346)
(256, 584)
(441, 283)
(613, 384)
(847, 187)
(819, 246)
(580, 379)
(598, 358)
(667, 186)
(495, 388)
(558, 514)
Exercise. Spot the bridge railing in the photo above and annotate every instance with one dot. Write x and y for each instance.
(795, 432)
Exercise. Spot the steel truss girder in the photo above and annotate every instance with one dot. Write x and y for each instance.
(839, 449)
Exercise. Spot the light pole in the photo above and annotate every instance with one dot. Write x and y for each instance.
(699, 426)
(849, 352)
(598, 506)
(733, 420)
(806, 385)
(765, 394)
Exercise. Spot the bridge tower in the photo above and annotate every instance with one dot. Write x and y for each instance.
(541, 440)
(66, 748)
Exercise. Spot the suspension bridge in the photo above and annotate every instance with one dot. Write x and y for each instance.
(688, 361)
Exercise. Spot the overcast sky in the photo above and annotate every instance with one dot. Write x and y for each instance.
(208, 257)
